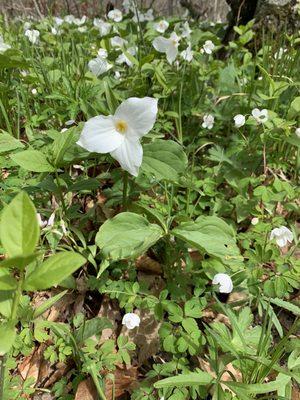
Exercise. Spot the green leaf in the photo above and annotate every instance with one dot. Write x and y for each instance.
(91, 327)
(210, 235)
(8, 143)
(164, 159)
(259, 388)
(192, 379)
(60, 145)
(33, 160)
(18, 262)
(7, 335)
(19, 228)
(48, 304)
(296, 104)
(127, 235)
(54, 270)
(286, 305)
(7, 281)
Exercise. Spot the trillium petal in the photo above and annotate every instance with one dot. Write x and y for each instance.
(161, 44)
(129, 155)
(99, 135)
(139, 114)
(172, 52)
(281, 241)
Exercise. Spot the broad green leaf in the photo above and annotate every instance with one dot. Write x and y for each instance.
(54, 270)
(192, 379)
(90, 328)
(18, 262)
(61, 145)
(19, 228)
(8, 143)
(7, 281)
(286, 305)
(6, 300)
(33, 160)
(127, 235)
(7, 335)
(210, 235)
(296, 104)
(165, 160)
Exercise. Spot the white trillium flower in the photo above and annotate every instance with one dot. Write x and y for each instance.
(117, 75)
(116, 15)
(161, 26)
(117, 41)
(79, 21)
(69, 19)
(138, 16)
(239, 120)
(298, 132)
(187, 54)
(124, 59)
(167, 46)
(82, 29)
(208, 121)
(104, 27)
(99, 66)
(208, 47)
(58, 21)
(282, 236)
(131, 320)
(260, 116)
(120, 134)
(186, 30)
(102, 53)
(3, 46)
(33, 35)
(148, 16)
(224, 281)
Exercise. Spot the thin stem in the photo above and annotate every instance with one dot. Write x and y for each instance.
(2, 374)
(125, 190)
(60, 192)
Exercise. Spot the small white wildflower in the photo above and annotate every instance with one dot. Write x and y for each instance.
(58, 21)
(34, 91)
(208, 121)
(79, 21)
(116, 15)
(186, 30)
(148, 16)
(224, 281)
(187, 54)
(33, 35)
(161, 26)
(117, 41)
(168, 46)
(239, 120)
(282, 236)
(208, 47)
(69, 19)
(102, 53)
(122, 58)
(131, 320)
(298, 132)
(254, 221)
(261, 116)
(99, 66)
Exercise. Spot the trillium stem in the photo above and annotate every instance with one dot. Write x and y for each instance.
(125, 190)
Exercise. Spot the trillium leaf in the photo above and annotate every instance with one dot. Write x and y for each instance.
(8, 143)
(19, 229)
(200, 378)
(33, 160)
(7, 282)
(127, 235)
(165, 160)
(210, 235)
(54, 270)
(7, 334)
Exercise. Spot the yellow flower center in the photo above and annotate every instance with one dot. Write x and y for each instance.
(121, 126)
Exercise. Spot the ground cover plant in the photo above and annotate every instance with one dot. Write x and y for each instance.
(149, 204)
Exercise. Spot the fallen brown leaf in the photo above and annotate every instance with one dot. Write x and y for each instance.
(124, 380)
(86, 390)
